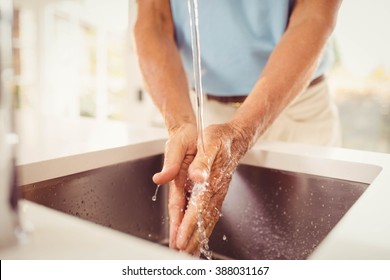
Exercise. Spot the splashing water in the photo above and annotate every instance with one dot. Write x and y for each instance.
(203, 240)
(197, 69)
(197, 190)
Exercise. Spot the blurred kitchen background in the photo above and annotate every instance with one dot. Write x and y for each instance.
(79, 88)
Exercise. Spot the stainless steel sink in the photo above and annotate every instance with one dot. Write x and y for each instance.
(267, 214)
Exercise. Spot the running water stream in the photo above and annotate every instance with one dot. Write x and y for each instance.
(199, 188)
(197, 69)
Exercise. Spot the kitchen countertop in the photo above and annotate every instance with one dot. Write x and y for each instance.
(55, 235)
(361, 234)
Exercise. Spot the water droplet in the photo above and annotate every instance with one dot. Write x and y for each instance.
(154, 197)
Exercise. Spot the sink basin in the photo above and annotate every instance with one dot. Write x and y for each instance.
(273, 214)
(117, 196)
(268, 213)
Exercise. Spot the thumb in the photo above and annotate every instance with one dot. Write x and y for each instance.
(173, 158)
(199, 170)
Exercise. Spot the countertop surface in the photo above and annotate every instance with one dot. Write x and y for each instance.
(53, 235)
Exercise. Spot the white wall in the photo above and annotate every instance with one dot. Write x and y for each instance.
(363, 35)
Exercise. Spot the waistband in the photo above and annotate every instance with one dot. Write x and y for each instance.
(236, 101)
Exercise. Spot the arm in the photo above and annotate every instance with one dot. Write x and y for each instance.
(166, 82)
(288, 72)
(291, 65)
(160, 62)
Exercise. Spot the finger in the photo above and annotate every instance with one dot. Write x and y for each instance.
(167, 174)
(176, 204)
(199, 241)
(174, 153)
(195, 243)
(187, 227)
(199, 201)
(196, 253)
(210, 215)
(199, 170)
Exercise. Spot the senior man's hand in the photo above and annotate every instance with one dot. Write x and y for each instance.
(180, 151)
(187, 163)
(224, 145)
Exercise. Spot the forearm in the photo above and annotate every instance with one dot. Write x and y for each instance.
(163, 72)
(288, 70)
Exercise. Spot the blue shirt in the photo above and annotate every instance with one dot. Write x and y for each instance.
(236, 40)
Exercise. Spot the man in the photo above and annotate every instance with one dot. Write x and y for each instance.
(262, 67)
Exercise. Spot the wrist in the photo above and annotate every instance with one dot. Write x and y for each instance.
(174, 124)
(248, 130)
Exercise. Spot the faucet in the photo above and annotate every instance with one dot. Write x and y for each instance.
(9, 219)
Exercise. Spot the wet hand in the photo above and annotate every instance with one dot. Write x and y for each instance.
(180, 151)
(211, 170)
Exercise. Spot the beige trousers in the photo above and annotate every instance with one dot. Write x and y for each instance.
(311, 118)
